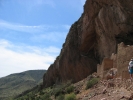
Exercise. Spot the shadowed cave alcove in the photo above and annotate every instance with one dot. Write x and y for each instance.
(127, 39)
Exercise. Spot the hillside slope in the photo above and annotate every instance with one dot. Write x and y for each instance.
(15, 84)
(86, 89)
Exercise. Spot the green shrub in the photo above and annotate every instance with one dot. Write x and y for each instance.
(57, 91)
(60, 97)
(71, 96)
(46, 97)
(92, 82)
(41, 92)
(70, 89)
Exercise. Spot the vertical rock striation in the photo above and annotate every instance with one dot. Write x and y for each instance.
(103, 24)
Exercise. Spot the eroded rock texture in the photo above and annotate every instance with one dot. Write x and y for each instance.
(103, 24)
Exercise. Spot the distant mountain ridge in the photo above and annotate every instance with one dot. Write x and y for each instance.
(17, 83)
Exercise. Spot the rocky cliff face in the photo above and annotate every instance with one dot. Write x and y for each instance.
(103, 24)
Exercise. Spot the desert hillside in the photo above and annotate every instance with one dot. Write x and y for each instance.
(17, 83)
(90, 88)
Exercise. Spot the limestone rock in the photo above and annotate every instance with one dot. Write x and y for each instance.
(103, 24)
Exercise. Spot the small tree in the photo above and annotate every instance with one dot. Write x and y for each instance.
(92, 82)
(70, 89)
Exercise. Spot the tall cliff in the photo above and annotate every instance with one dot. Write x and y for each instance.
(103, 24)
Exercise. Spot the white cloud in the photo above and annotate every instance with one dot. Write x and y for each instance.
(50, 36)
(22, 28)
(20, 59)
(31, 29)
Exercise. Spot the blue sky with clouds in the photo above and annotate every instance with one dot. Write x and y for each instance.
(32, 32)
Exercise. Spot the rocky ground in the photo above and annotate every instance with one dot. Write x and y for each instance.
(103, 89)
(113, 89)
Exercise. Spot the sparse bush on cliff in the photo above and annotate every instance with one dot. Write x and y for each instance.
(63, 88)
(70, 89)
(71, 96)
(45, 97)
(41, 92)
(57, 91)
(60, 97)
(92, 82)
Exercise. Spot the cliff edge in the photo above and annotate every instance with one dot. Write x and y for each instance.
(103, 25)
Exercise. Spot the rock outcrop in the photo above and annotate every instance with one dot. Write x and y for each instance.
(103, 24)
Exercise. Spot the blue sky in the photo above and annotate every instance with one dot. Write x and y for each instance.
(32, 32)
